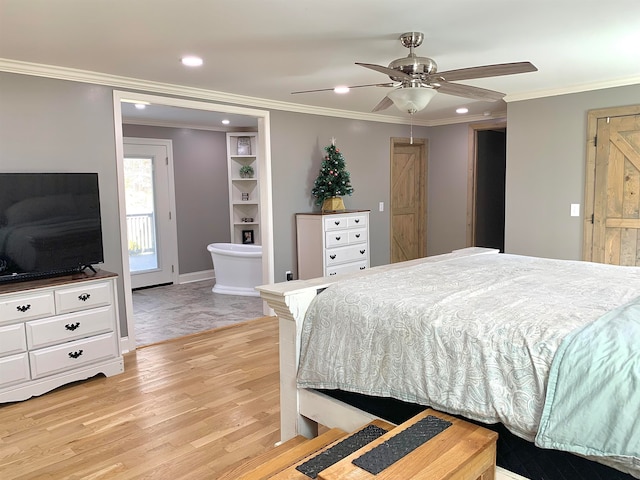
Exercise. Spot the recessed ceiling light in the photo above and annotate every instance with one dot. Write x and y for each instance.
(192, 61)
(462, 110)
(341, 89)
(225, 122)
(140, 106)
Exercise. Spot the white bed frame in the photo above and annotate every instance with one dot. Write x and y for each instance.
(302, 410)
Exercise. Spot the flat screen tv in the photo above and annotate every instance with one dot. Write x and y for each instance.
(49, 224)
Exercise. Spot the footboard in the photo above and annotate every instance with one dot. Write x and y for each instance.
(301, 410)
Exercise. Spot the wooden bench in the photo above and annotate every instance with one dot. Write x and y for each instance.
(462, 451)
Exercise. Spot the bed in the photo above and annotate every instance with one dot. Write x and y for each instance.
(494, 338)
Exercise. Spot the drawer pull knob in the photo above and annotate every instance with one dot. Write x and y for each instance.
(338, 239)
(72, 326)
(332, 257)
(357, 220)
(357, 235)
(362, 251)
(84, 297)
(362, 268)
(332, 273)
(337, 222)
(75, 354)
(23, 308)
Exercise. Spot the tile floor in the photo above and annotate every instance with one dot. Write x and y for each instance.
(171, 311)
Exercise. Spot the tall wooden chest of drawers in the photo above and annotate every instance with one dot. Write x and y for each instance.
(332, 243)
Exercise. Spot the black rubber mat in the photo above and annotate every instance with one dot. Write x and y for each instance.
(400, 445)
(311, 468)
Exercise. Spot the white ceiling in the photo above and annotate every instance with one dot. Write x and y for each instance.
(265, 49)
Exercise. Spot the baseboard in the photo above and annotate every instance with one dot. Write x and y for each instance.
(196, 276)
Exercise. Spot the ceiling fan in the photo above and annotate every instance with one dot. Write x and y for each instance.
(417, 80)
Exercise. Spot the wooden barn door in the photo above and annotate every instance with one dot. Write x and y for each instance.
(615, 227)
(408, 199)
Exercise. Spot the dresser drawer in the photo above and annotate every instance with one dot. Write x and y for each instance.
(354, 221)
(337, 238)
(347, 268)
(12, 339)
(14, 369)
(81, 298)
(48, 361)
(26, 307)
(358, 235)
(49, 331)
(335, 222)
(339, 255)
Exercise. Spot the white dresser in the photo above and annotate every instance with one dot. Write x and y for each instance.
(57, 331)
(332, 243)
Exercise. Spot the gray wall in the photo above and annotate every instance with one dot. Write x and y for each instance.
(546, 155)
(447, 187)
(57, 125)
(54, 125)
(201, 190)
(297, 149)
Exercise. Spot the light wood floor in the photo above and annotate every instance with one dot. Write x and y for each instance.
(184, 409)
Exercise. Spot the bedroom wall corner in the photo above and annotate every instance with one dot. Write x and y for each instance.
(546, 155)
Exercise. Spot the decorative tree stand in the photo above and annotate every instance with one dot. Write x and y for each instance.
(333, 204)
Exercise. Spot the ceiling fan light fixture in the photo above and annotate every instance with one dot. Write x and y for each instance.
(411, 99)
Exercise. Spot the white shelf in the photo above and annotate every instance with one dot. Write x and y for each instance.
(239, 186)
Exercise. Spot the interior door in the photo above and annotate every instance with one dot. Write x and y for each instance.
(616, 187)
(151, 230)
(408, 199)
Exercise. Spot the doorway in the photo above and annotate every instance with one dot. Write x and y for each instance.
(486, 185)
(128, 342)
(408, 199)
(150, 212)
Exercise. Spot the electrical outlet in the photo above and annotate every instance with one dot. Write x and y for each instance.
(288, 275)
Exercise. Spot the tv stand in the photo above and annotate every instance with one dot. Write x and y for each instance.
(57, 330)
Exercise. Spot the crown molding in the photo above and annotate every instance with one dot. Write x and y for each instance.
(148, 86)
(585, 87)
(85, 76)
(501, 115)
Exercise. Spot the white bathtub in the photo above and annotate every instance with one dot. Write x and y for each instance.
(238, 268)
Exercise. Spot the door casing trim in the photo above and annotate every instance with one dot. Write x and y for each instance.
(472, 162)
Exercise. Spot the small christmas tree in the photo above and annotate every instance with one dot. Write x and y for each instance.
(333, 180)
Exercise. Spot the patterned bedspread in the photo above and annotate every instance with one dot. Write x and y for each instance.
(473, 336)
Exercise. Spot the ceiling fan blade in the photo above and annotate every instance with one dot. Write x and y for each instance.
(486, 71)
(384, 104)
(387, 71)
(468, 91)
(354, 86)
